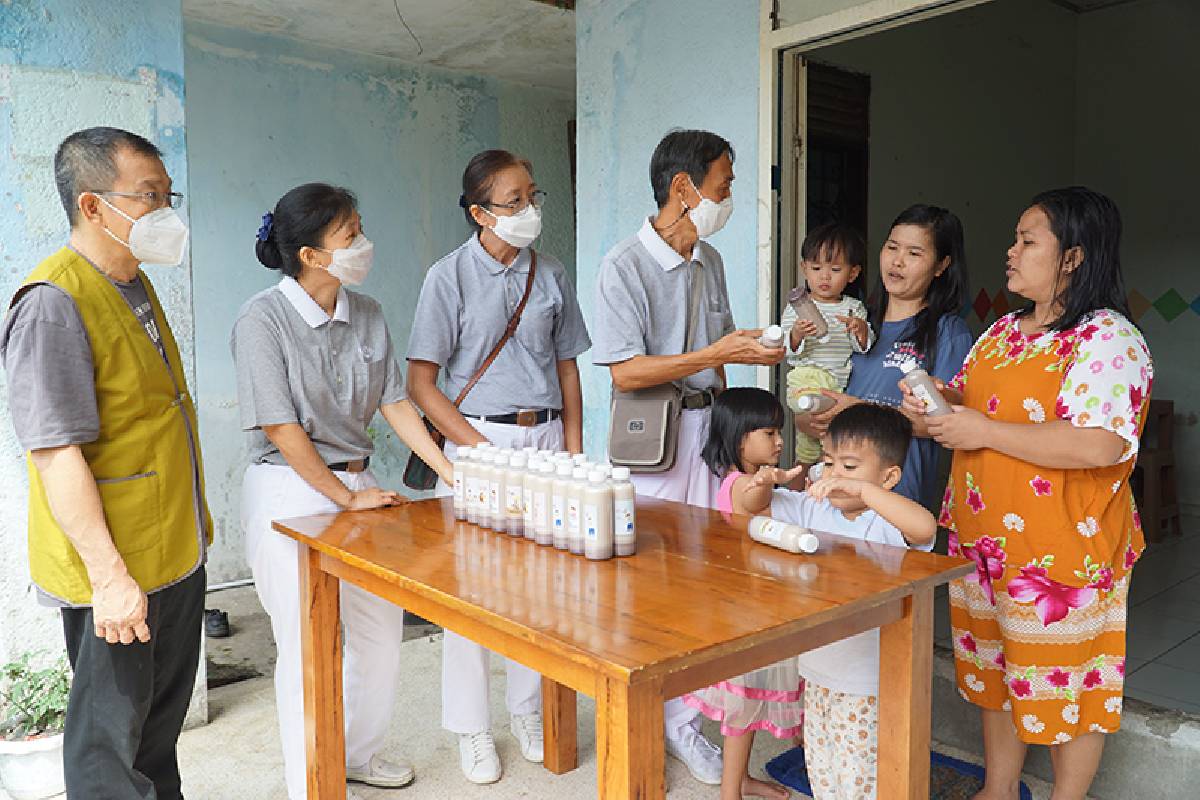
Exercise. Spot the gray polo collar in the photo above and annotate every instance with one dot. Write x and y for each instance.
(308, 309)
(520, 264)
(662, 252)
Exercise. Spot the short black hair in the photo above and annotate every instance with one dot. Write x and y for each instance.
(300, 218)
(479, 176)
(684, 151)
(1083, 218)
(883, 427)
(833, 239)
(86, 162)
(737, 412)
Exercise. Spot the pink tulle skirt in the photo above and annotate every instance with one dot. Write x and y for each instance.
(770, 699)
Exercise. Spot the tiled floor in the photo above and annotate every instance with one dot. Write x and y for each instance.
(1163, 658)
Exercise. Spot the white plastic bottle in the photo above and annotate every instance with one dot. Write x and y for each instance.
(462, 457)
(579, 459)
(514, 495)
(810, 403)
(772, 336)
(531, 471)
(496, 490)
(559, 490)
(925, 389)
(540, 484)
(597, 498)
(624, 513)
(470, 485)
(783, 535)
(575, 510)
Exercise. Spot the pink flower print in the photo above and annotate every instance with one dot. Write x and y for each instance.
(989, 557)
(1136, 395)
(1102, 580)
(1087, 333)
(1052, 599)
(1059, 678)
(1107, 336)
(1118, 362)
(1092, 679)
(1020, 687)
(1120, 667)
(993, 404)
(1106, 408)
(1014, 335)
(1137, 521)
(1000, 660)
(968, 643)
(1096, 367)
(1130, 557)
(952, 547)
(974, 496)
(1041, 486)
(1061, 410)
(1065, 348)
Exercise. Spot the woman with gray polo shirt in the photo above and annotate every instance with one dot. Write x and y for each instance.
(529, 396)
(314, 363)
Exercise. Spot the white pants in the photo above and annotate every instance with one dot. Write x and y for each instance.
(689, 481)
(466, 672)
(374, 628)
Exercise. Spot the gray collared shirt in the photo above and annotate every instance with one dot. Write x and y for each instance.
(296, 364)
(642, 297)
(465, 305)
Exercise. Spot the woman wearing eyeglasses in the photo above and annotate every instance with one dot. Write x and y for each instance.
(528, 397)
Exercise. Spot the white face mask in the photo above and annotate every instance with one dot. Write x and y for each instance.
(709, 217)
(158, 237)
(352, 264)
(521, 228)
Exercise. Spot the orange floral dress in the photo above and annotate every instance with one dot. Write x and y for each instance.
(1039, 629)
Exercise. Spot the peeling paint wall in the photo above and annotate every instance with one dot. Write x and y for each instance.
(66, 65)
(267, 113)
(644, 67)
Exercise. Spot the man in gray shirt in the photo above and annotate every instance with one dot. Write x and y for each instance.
(641, 323)
(118, 527)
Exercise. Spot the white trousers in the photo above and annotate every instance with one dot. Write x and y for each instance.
(373, 627)
(689, 481)
(466, 669)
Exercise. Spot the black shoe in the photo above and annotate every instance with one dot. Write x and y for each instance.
(216, 623)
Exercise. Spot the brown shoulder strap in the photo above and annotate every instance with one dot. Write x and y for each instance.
(508, 332)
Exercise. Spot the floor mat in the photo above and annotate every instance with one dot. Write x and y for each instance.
(949, 778)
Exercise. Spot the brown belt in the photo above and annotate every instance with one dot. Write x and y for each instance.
(351, 466)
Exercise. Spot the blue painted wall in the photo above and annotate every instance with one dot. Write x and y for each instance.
(267, 113)
(66, 65)
(644, 67)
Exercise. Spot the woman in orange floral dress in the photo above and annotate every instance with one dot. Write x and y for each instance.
(1049, 408)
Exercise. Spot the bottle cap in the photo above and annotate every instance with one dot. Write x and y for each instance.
(580, 459)
(546, 467)
(772, 332)
(529, 450)
(517, 460)
(564, 470)
(620, 473)
(506, 452)
(596, 476)
(580, 473)
(606, 469)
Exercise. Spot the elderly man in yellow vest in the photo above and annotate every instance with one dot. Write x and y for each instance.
(118, 526)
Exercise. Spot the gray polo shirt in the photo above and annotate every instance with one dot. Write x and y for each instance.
(296, 364)
(465, 305)
(642, 297)
(47, 359)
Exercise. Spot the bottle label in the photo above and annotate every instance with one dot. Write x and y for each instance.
(539, 507)
(623, 517)
(923, 393)
(494, 497)
(527, 505)
(512, 501)
(558, 510)
(572, 516)
(591, 521)
(458, 487)
(771, 531)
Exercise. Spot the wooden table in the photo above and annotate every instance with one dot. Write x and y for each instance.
(700, 602)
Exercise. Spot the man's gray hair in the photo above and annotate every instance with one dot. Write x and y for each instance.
(86, 162)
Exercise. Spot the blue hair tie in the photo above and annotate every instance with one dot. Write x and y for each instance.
(462, 201)
(268, 222)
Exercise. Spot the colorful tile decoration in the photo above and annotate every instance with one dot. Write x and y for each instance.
(1170, 305)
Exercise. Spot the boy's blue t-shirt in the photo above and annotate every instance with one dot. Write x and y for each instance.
(876, 377)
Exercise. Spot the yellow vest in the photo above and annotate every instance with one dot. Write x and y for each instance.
(141, 460)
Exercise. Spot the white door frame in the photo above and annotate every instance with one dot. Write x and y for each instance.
(781, 48)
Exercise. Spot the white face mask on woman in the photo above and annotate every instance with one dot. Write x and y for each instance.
(709, 216)
(521, 228)
(158, 237)
(352, 264)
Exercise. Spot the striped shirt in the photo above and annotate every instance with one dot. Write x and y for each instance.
(833, 350)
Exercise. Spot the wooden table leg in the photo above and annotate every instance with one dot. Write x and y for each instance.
(321, 647)
(905, 684)
(559, 723)
(630, 748)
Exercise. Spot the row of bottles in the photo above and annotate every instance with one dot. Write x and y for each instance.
(553, 498)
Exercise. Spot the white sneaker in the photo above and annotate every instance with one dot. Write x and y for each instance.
(699, 755)
(528, 730)
(382, 773)
(477, 757)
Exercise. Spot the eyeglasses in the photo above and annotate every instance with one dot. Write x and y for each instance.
(152, 199)
(536, 199)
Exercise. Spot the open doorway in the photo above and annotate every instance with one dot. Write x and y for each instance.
(979, 109)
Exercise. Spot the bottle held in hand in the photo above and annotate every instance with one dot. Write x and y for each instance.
(772, 337)
(923, 387)
(806, 308)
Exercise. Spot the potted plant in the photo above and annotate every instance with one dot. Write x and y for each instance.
(33, 708)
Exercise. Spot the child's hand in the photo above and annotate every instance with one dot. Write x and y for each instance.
(774, 476)
(804, 328)
(846, 487)
(856, 327)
